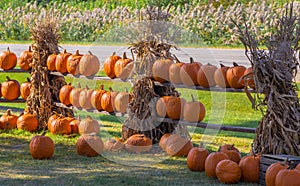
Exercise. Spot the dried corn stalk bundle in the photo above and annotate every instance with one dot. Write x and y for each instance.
(274, 75)
(40, 101)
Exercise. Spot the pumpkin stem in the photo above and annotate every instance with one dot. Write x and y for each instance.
(8, 112)
(44, 133)
(235, 64)
(124, 55)
(7, 78)
(110, 89)
(8, 50)
(28, 80)
(87, 87)
(77, 53)
(79, 86)
(101, 87)
(192, 60)
(65, 51)
(222, 65)
(89, 117)
(208, 64)
(126, 89)
(69, 84)
(90, 52)
(193, 98)
(79, 118)
(29, 49)
(114, 53)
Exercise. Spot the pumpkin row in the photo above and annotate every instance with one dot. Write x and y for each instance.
(99, 99)
(11, 89)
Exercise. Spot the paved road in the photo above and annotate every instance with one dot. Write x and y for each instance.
(203, 55)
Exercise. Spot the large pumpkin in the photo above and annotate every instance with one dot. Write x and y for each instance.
(250, 168)
(25, 89)
(288, 177)
(220, 76)
(27, 122)
(160, 70)
(73, 63)
(114, 144)
(228, 172)
(60, 125)
(196, 158)
(249, 78)
(205, 76)
(25, 59)
(109, 65)
(138, 143)
(163, 140)
(64, 94)
(41, 147)
(89, 145)
(122, 100)
(174, 72)
(108, 100)
(272, 172)
(61, 61)
(178, 146)
(74, 96)
(232, 152)
(170, 106)
(89, 64)
(51, 62)
(194, 111)
(85, 98)
(8, 60)
(8, 121)
(10, 89)
(123, 67)
(88, 126)
(96, 98)
(212, 161)
(234, 74)
(188, 73)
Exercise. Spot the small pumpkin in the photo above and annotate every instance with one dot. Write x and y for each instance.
(138, 143)
(74, 96)
(25, 89)
(288, 177)
(41, 147)
(27, 122)
(89, 145)
(232, 152)
(8, 121)
(123, 67)
(234, 74)
(73, 63)
(220, 76)
(194, 111)
(74, 125)
(8, 60)
(212, 161)
(51, 62)
(163, 140)
(88, 126)
(160, 70)
(188, 73)
(89, 64)
(64, 94)
(25, 59)
(228, 172)
(205, 76)
(10, 89)
(178, 146)
(61, 61)
(51, 119)
(196, 158)
(96, 98)
(249, 78)
(250, 168)
(174, 72)
(122, 100)
(272, 172)
(60, 125)
(109, 65)
(108, 100)
(170, 106)
(85, 98)
(114, 144)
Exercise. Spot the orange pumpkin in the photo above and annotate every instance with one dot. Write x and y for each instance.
(25, 59)
(114, 144)
(232, 152)
(60, 125)
(108, 100)
(109, 65)
(174, 72)
(51, 119)
(88, 126)
(194, 111)
(212, 161)
(160, 70)
(138, 143)
(250, 168)
(89, 145)
(25, 89)
(122, 100)
(89, 64)
(41, 147)
(61, 61)
(73, 63)
(298, 167)
(163, 140)
(8, 60)
(188, 73)
(228, 172)
(123, 67)
(196, 158)
(74, 125)
(170, 106)
(178, 146)
(288, 177)
(27, 122)
(205, 76)
(272, 172)
(85, 98)
(220, 76)
(249, 78)
(64, 94)
(96, 98)
(74, 96)
(51, 62)
(234, 74)
(8, 121)
(10, 89)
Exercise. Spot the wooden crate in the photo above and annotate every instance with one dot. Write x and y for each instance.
(267, 159)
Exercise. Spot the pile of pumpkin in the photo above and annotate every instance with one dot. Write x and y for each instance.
(11, 89)
(100, 99)
(8, 59)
